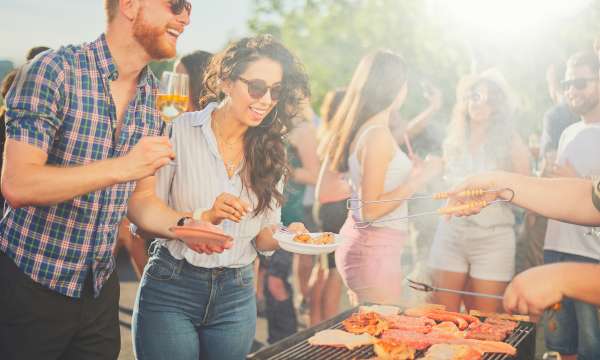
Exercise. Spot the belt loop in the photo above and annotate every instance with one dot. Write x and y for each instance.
(153, 248)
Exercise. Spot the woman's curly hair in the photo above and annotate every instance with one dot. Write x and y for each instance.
(265, 162)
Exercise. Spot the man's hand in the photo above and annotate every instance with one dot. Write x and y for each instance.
(534, 290)
(147, 156)
(226, 206)
(459, 195)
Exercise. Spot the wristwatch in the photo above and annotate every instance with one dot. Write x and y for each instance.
(183, 220)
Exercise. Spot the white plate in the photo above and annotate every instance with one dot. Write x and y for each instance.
(286, 241)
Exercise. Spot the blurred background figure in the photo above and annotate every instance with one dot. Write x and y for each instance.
(303, 160)
(194, 65)
(329, 209)
(478, 253)
(369, 261)
(575, 331)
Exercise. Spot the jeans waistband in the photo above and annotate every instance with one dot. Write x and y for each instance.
(160, 250)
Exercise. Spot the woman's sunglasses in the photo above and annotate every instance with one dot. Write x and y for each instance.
(177, 7)
(578, 84)
(475, 97)
(257, 88)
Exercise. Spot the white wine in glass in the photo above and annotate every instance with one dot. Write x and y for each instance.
(173, 95)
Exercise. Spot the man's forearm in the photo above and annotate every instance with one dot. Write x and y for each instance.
(44, 185)
(581, 282)
(564, 199)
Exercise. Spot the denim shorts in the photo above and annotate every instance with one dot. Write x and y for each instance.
(577, 329)
(188, 312)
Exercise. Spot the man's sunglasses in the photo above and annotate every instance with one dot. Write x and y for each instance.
(177, 6)
(257, 88)
(578, 84)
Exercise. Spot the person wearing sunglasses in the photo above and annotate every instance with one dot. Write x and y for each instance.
(81, 151)
(573, 200)
(230, 170)
(565, 242)
(478, 253)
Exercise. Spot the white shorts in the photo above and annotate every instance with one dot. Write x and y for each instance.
(485, 253)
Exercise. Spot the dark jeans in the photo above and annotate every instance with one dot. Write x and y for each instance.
(38, 323)
(577, 328)
(281, 315)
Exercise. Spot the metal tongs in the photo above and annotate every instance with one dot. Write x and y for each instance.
(428, 288)
(355, 204)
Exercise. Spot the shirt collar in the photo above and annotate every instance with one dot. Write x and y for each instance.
(108, 68)
(203, 119)
(104, 59)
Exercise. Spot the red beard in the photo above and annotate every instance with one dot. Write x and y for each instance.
(153, 38)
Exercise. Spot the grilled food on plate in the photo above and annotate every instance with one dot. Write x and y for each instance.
(321, 239)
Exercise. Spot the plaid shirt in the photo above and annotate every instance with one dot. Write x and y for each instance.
(61, 103)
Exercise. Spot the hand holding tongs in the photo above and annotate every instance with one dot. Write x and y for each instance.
(355, 204)
(448, 210)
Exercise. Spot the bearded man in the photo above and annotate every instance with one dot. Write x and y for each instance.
(82, 148)
(575, 331)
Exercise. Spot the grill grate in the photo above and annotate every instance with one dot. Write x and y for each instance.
(296, 347)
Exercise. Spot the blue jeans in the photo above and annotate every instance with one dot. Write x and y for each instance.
(577, 327)
(186, 312)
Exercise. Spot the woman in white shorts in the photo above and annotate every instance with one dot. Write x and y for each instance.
(478, 253)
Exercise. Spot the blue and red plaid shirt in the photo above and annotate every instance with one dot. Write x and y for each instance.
(61, 103)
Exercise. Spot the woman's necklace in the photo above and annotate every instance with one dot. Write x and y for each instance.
(232, 162)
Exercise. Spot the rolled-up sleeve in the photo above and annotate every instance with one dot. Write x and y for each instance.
(35, 102)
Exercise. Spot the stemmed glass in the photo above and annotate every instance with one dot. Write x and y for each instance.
(172, 98)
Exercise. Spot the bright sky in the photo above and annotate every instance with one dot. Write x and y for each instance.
(27, 23)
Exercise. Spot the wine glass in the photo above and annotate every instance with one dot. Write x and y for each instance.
(172, 98)
(173, 95)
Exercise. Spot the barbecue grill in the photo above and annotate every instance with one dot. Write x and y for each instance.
(297, 346)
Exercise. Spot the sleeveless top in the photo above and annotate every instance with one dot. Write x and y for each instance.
(397, 173)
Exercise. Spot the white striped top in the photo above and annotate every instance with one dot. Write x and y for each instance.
(196, 179)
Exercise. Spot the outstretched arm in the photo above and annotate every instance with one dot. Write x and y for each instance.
(563, 199)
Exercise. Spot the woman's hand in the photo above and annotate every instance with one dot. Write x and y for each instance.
(226, 207)
(427, 169)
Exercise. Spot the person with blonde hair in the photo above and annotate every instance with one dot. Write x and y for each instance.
(369, 261)
(478, 253)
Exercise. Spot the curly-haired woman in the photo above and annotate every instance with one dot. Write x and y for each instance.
(478, 253)
(230, 168)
